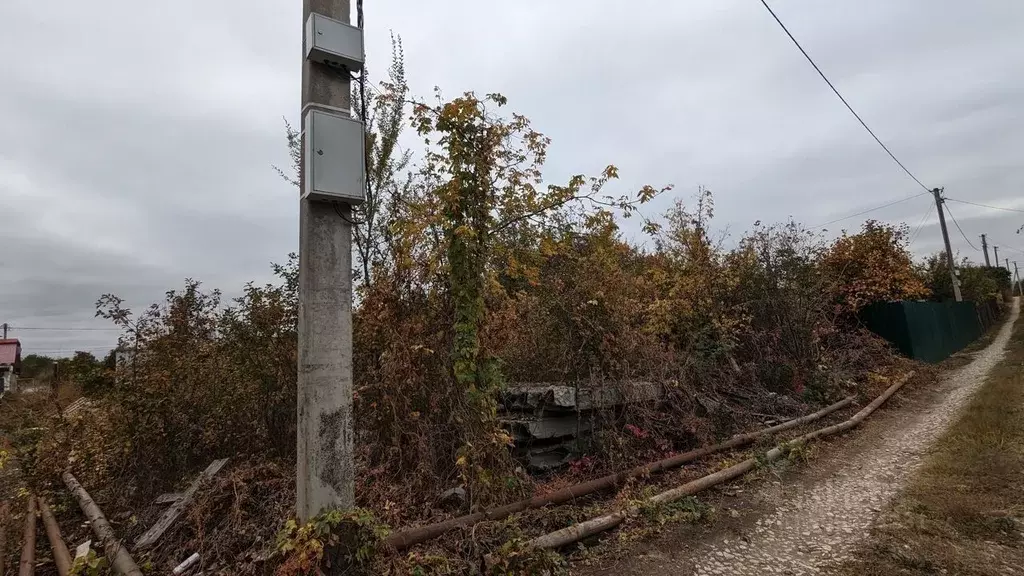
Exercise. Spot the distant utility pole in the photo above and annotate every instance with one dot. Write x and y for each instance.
(984, 246)
(5, 330)
(996, 249)
(945, 238)
(1016, 275)
(1007, 264)
(332, 159)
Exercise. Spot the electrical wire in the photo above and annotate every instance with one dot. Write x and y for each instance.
(1008, 247)
(920, 225)
(70, 349)
(986, 205)
(966, 239)
(869, 210)
(361, 23)
(848, 107)
(12, 328)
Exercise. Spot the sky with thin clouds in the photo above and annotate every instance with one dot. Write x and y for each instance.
(137, 137)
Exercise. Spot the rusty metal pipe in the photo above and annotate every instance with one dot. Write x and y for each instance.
(27, 566)
(61, 555)
(582, 530)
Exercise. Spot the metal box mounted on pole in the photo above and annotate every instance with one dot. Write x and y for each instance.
(334, 43)
(335, 169)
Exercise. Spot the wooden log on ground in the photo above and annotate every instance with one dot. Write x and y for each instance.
(61, 555)
(117, 555)
(171, 514)
(412, 536)
(27, 566)
(597, 525)
(5, 518)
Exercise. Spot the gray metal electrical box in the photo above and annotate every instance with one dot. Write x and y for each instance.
(334, 43)
(334, 158)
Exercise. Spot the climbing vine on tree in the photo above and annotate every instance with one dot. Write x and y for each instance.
(486, 170)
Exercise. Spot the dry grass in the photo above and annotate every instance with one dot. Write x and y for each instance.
(963, 512)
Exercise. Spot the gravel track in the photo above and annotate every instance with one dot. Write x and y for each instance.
(822, 525)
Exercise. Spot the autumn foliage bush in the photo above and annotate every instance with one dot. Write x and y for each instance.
(480, 274)
(873, 266)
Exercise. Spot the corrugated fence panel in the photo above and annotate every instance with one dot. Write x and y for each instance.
(930, 331)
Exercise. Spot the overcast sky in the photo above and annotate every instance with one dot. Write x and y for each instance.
(137, 137)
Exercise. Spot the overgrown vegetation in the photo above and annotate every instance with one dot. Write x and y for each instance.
(473, 272)
(962, 512)
(977, 283)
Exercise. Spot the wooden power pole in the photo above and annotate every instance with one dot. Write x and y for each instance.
(984, 247)
(996, 250)
(331, 180)
(945, 238)
(1016, 275)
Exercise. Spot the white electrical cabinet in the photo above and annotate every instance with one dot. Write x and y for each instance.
(334, 158)
(334, 43)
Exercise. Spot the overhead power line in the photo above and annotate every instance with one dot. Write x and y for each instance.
(848, 107)
(13, 328)
(69, 349)
(986, 206)
(870, 210)
(1008, 247)
(920, 225)
(966, 239)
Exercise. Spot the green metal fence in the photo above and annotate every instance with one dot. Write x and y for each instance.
(930, 331)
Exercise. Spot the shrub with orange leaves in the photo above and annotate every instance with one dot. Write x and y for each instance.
(873, 265)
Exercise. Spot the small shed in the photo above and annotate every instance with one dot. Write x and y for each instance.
(10, 364)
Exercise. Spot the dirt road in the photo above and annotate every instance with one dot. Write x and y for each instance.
(803, 525)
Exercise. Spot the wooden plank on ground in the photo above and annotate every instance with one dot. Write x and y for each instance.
(169, 498)
(175, 510)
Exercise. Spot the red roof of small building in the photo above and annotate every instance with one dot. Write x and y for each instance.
(10, 351)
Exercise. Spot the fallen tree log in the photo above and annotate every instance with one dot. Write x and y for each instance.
(119, 558)
(597, 525)
(405, 538)
(27, 566)
(61, 555)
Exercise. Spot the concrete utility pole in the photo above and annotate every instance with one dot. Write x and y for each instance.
(1007, 264)
(5, 330)
(996, 250)
(949, 250)
(325, 469)
(1016, 275)
(984, 246)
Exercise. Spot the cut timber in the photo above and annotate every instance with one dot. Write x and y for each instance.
(61, 556)
(119, 558)
(186, 565)
(583, 530)
(171, 514)
(5, 517)
(169, 498)
(27, 567)
(412, 536)
(76, 406)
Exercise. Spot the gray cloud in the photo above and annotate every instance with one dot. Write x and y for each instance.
(137, 138)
